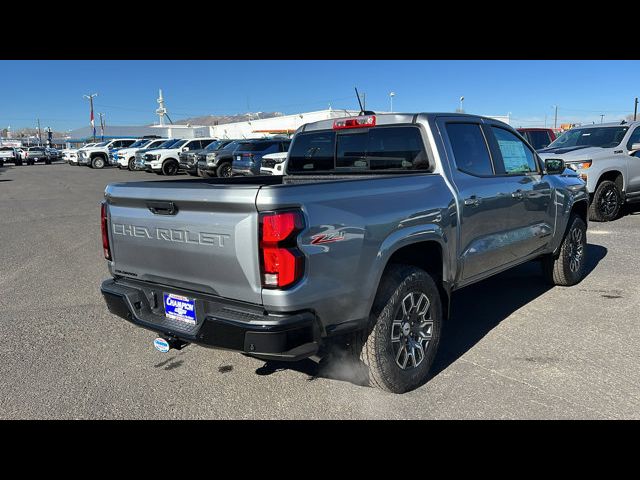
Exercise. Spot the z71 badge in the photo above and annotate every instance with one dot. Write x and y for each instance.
(327, 238)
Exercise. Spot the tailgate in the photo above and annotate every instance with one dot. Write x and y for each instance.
(208, 243)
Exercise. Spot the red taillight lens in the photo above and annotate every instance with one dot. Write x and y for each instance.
(105, 231)
(357, 122)
(281, 261)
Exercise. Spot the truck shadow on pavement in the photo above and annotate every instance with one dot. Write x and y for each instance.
(475, 311)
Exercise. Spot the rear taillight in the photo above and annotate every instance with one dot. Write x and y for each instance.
(105, 231)
(357, 122)
(281, 262)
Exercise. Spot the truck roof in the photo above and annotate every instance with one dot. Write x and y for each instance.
(392, 118)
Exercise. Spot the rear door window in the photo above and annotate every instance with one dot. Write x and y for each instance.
(470, 148)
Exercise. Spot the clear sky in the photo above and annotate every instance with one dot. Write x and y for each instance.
(127, 90)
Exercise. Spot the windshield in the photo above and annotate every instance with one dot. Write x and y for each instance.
(217, 145)
(166, 144)
(255, 146)
(178, 144)
(103, 144)
(604, 137)
(140, 143)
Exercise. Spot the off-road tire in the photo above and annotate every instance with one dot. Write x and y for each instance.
(606, 203)
(558, 269)
(170, 167)
(224, 170)
(373, 346)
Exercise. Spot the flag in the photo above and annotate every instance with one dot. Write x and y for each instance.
(93, 123)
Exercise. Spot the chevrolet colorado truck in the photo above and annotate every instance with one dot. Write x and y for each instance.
(378, 220)
(604, 156)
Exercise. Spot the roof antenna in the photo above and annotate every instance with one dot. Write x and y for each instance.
(362, 110)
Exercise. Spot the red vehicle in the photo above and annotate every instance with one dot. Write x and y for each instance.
(538, 137)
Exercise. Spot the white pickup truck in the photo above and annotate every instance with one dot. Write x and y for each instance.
(98, 155)
(8, 154)
(126, 157)
(605, 156)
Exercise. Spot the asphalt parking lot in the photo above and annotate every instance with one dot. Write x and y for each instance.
(515, 348)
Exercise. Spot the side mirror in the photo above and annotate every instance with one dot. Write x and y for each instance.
(634, 148)
(554, 166)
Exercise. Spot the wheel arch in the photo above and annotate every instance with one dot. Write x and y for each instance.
(613, 175)
(428, 254)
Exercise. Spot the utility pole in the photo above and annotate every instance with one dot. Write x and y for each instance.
(102, 125)
(635, 110)
(555, 122)
(93, 123)
(39, 134)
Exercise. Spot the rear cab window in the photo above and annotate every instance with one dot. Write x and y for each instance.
(379, 149)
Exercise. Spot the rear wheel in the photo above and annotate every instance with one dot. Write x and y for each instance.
(18, 162)
(405, 325)
(569, 266)
(224, 170)
(98, 162)
(132, 162)
(606, 203)
(170, 167)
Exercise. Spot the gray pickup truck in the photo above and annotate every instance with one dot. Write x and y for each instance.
(378, 220)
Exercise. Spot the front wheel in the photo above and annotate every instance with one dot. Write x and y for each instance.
(569, 266)
(132, 163)
(405, 325)
(224, 170)
(606, 203)
(170, 167)
(97, 162)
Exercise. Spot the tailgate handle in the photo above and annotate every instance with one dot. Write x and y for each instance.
(162, 208)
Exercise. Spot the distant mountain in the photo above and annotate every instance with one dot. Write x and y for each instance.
(222, 119)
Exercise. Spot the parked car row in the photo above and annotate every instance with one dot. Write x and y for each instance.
(204, 157)
(28, 155)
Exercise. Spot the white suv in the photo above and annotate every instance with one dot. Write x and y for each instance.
(98, 155)
(126, 157)
(165, 161)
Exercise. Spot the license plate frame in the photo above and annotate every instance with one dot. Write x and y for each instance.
(179, 307)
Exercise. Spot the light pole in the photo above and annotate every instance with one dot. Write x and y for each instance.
(391, 95)
(461, 109)
(93, 123)
(601, 117)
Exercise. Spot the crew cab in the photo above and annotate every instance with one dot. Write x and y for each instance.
(248, 156)
(165, 161)
(126, 157)
(379, 219)
(189, 159)
(97, 156)
(605, 157)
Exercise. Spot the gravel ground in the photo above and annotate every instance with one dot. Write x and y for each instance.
(514, 348)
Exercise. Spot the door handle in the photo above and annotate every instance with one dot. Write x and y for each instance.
(162, 208)
(518, 194)
(472, 201)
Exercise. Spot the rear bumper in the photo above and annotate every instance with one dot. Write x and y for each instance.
(219, 323)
